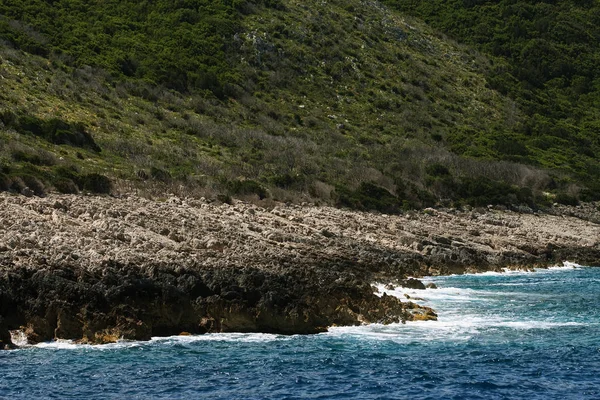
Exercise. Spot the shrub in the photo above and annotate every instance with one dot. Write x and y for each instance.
(225, 198)
(5, 182)
(96, 183)
(591, 193)
(17, 184)
(8, 117)
(36, 158)
(66, 186)
(424, 198)
(286, 180)
(33, 183)
(29, 124)
(568, 200)
(482, 191)
(248, 186)
(160, 175)
(368, 196)
(321, 190)
(68, 173)
(525, 196)
(437, 137)
(437, 170)
(53, 130)
(142, 175)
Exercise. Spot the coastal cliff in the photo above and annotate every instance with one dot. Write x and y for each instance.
(97, 269)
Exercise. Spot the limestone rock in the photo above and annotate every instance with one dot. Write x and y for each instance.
(97, 269)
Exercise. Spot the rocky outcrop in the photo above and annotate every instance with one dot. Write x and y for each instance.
(413, 283)
(96, 269)
(125, 301)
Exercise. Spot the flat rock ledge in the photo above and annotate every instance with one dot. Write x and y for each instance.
(98, 269)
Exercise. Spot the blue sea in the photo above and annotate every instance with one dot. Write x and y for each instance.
(515, 335)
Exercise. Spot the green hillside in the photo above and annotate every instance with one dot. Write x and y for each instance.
(346, 103)
(546, 56)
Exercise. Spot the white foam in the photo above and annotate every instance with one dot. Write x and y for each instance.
(223, 337)
(463, 313)
(567, 265)
(503, 272)
(445, 294)
(61, 344)
(462, 294)
(456, 327)
(476, 323)
(417, 331)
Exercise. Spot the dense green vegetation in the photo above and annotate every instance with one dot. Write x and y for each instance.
(180, 44)
(546, 56)
(344, 102)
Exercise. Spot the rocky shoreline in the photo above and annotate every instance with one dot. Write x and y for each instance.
(96, 269)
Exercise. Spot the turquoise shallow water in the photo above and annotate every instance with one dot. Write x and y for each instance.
(499, 336)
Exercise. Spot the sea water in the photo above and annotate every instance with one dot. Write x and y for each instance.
(514, 335)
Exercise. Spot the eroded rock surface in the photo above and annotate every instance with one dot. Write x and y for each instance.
(96, 269)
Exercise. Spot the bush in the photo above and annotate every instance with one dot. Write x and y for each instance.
(39, 158)
(591, 193)
(54, 130)
(96, 183)
(66, 186)
(8, 117)
(526, 196)
(563, 198)
(482, 191)
(424, 198)
(142, 175)
(17, 184)
(287, 180)
(71, 173)
(437, 170)
(160, 175)
(5, 182)
(20, 181)
(33, 183)
(225, 198)
(245, 187)
(437, 137)
(368, 196)
(123, 37)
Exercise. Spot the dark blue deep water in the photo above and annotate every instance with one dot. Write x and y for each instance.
(499, 336)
